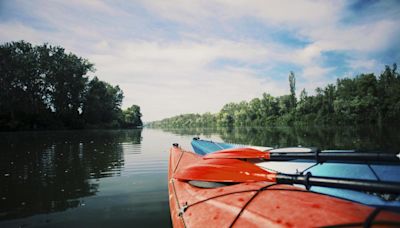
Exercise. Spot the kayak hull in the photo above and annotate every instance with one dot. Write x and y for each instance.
(259, 204)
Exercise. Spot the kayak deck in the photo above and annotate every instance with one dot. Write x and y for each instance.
(261, 204)
(379, 172)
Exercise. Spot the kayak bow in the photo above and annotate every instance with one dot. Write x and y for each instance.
(258, 203)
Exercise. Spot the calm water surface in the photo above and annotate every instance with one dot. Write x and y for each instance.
(85, 178)
(118, 178)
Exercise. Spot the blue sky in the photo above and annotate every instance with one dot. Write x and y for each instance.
(173, 57)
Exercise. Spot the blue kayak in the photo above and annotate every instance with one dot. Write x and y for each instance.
(379, 171)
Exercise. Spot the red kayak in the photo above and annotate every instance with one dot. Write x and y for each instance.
(261, 204)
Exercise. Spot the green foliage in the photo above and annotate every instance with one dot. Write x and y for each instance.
(292, 84)
(364, 99)
(389, 94)
(44, 87)
(205, 120)
(102, 103)
(132, 116)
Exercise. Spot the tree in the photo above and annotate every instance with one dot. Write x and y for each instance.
(20, 84)
(285, 104)
(270, 108)
(389, 95)
(362, 99)
(226, 115)
(102, 103)
(329, 97)
(45, 87)
(66, 79)
(301, 108)
(132, 116)
(292, 84)
(38, 82)
(255, 112)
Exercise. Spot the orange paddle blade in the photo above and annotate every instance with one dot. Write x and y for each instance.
(224, 170)
(239, 153)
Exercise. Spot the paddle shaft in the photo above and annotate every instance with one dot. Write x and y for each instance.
(334, 156)
(354, 184)
(318, 156)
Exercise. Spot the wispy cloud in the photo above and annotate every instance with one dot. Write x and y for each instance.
(173, 57)
(181, 77)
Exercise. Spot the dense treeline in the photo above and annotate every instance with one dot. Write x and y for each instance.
(364, 99)
(43, 87)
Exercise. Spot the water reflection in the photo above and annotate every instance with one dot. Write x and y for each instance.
(386, 138)
(114, 178)
(42, 172)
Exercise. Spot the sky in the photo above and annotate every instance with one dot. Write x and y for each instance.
(179, 56)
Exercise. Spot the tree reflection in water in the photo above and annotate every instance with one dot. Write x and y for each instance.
(42, 172)
(385, 138)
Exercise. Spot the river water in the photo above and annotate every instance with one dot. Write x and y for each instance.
(118, 178)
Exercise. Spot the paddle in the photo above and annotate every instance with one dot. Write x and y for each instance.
(236, 171)
(319, 156)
